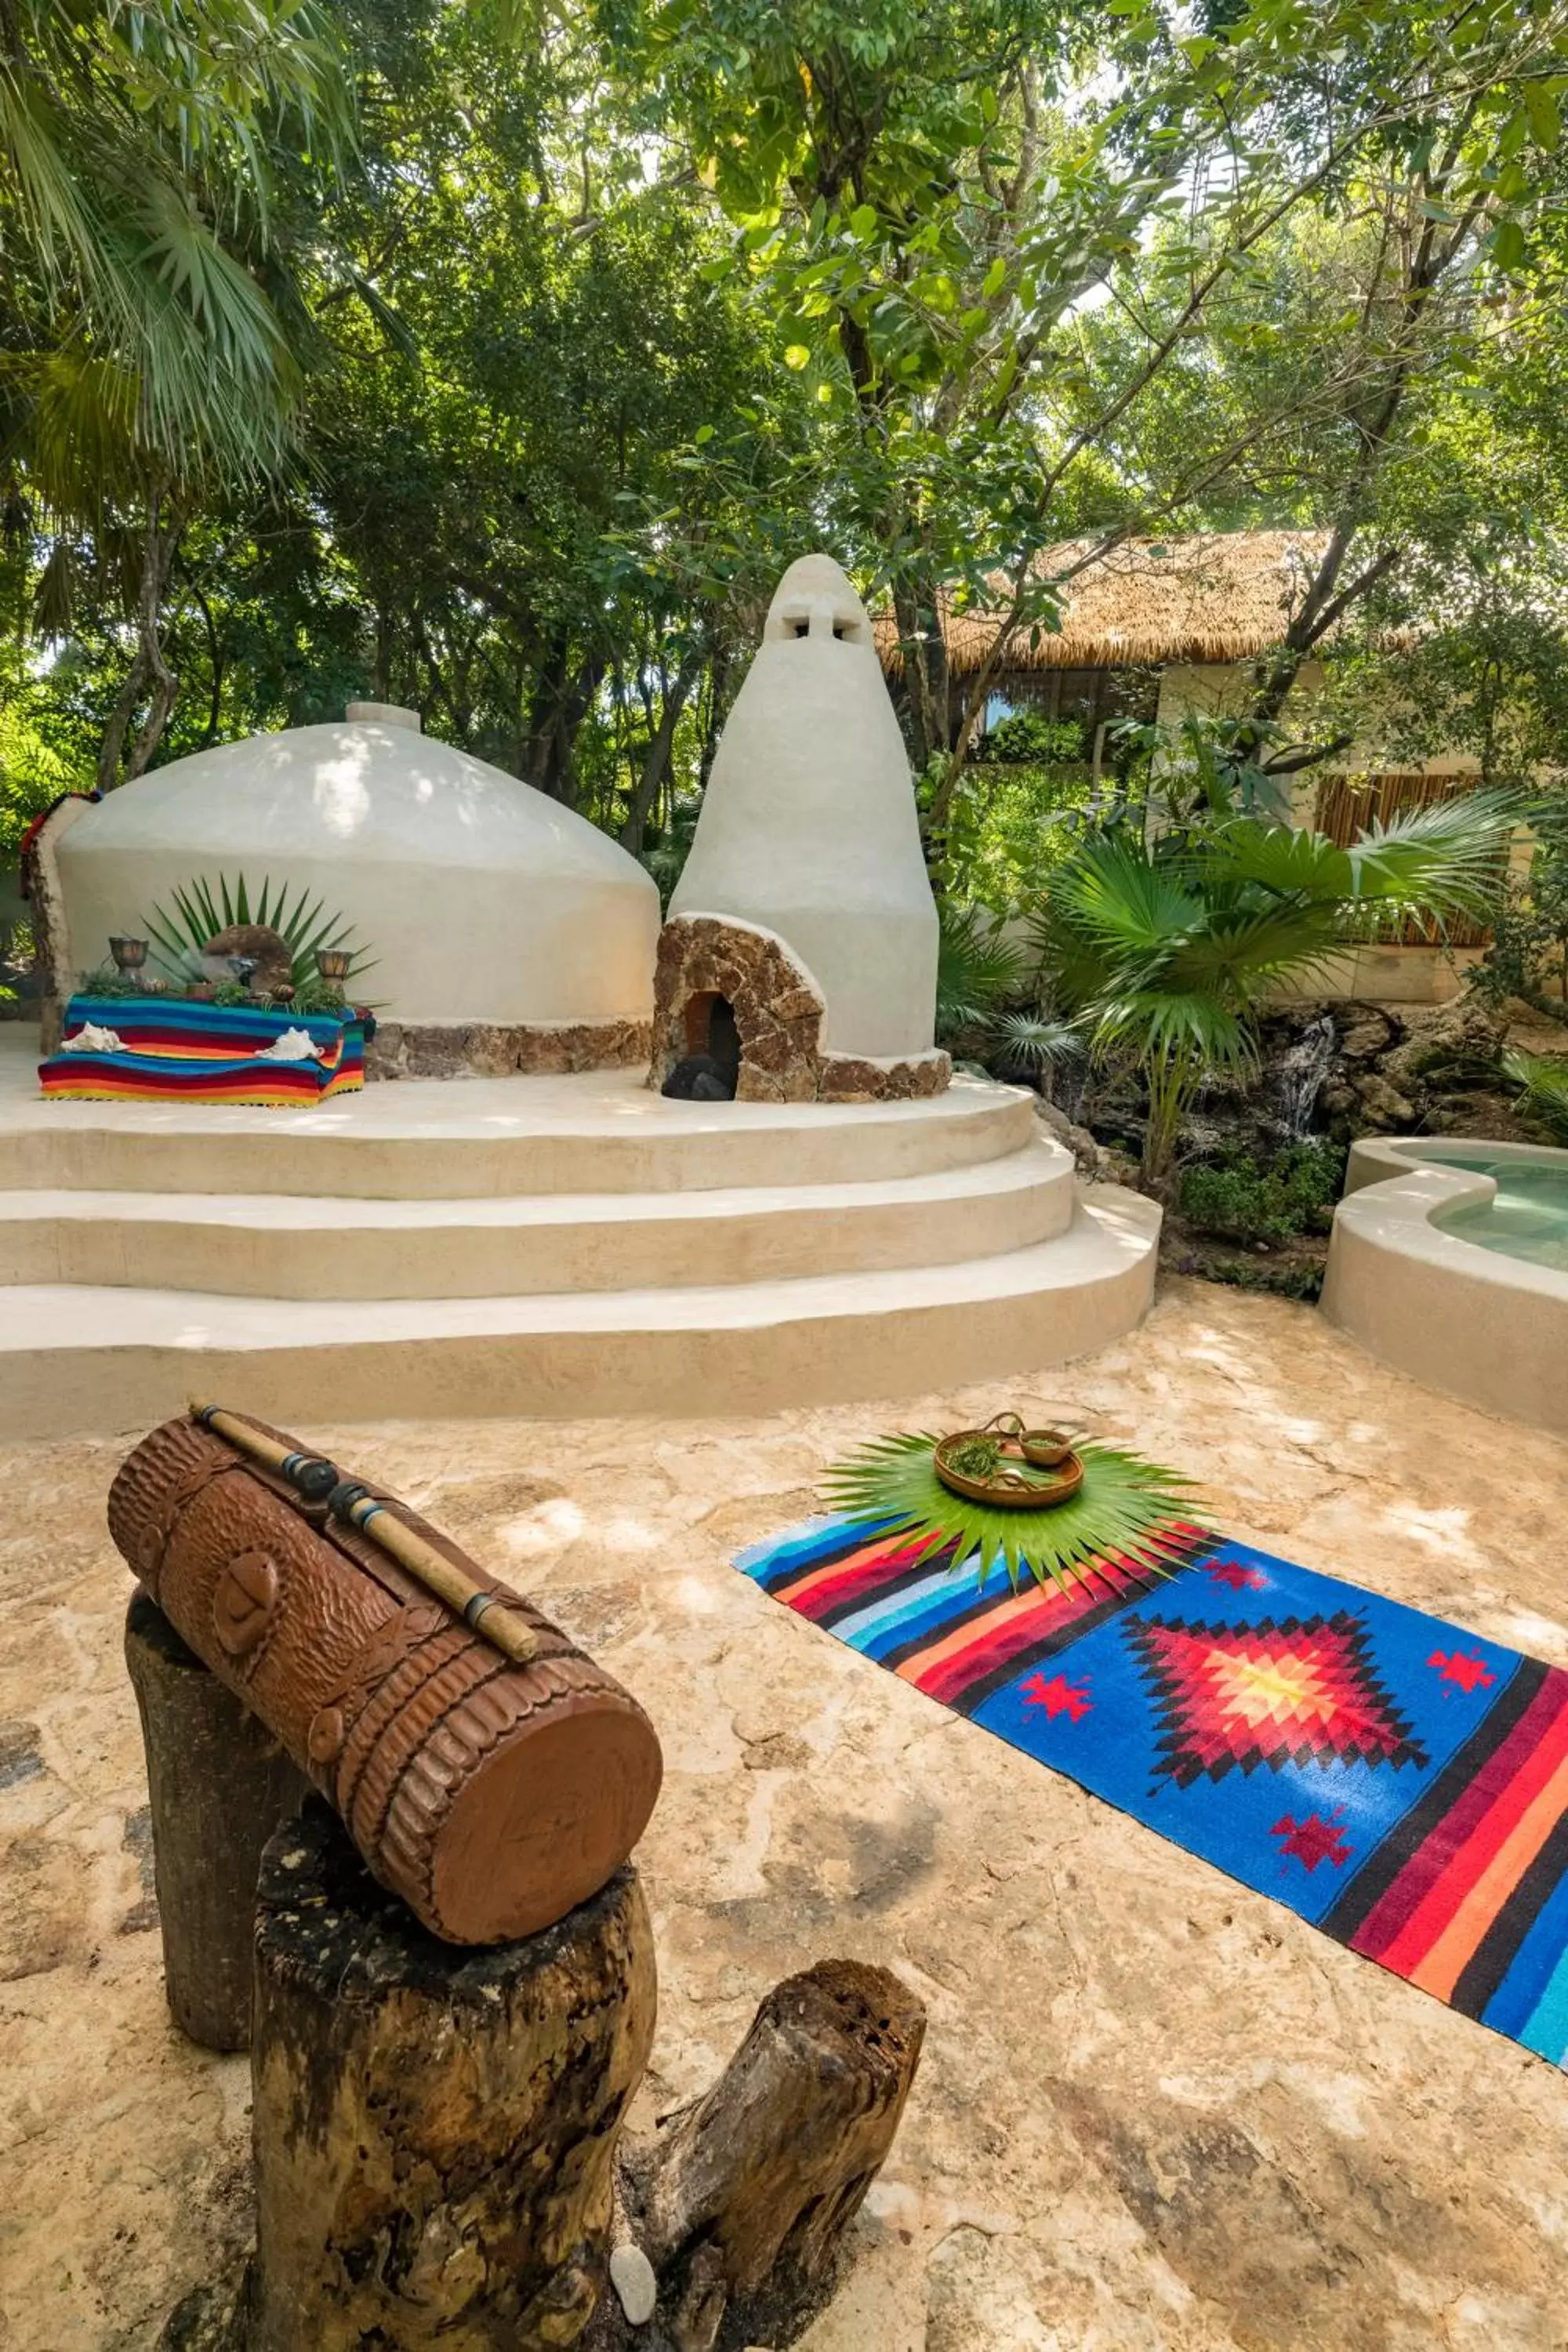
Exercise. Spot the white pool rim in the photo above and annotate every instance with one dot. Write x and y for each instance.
(1472, 1322)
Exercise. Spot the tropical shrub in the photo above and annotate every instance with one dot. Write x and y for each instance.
(33, 775)
(1298, 1278)
(977, 968)
(1004, 832)
(1167, 948)
(1294, 1194)
(1528, 957)
(1026, 740)
(666, 848)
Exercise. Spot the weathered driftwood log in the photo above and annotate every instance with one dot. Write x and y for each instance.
(434, 2129)
(492, 1796)
(219, 1784)
(743, 2202)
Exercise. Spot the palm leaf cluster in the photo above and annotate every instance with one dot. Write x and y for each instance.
(979, 968)
(147, 150)
(1543, 1082)
(1127, 1510)
(1167, 947)
(181, 930)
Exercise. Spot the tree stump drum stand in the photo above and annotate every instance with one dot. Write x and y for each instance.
(434, 2129)
(437, 2148)
(220, 1784)
(437, 2126)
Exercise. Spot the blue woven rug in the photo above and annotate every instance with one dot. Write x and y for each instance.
(1401, 1783)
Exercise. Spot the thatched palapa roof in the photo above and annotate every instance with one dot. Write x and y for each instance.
(1214, 597)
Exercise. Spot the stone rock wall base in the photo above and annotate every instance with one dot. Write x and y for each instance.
(848, 1077)
(482, 1049)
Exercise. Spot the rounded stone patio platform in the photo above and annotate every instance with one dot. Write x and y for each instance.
(542, 1246)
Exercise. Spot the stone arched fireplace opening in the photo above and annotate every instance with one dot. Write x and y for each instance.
(737, 1015)
(713, 1039)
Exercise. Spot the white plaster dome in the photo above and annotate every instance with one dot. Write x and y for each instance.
(808, 826)
(477, 897)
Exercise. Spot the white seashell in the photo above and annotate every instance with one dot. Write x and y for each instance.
(294, 1045)
(91, 1039)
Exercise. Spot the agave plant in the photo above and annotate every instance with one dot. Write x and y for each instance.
(179, 931)
(1167, 948)
(1127, 1511)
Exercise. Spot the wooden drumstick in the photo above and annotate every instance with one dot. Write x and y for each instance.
(319, 1481)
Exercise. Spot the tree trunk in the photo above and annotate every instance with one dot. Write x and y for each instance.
(57, 958)
(435, 2135)
(166, 522)
(656, 766)
(118, 722)
(220, 1785)
(714, 716)
(925, 672)
(557, 706)
(744, 2204)
(434, 2129)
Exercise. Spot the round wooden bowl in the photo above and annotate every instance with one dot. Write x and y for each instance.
(1047, 1449)
(1028, 1487)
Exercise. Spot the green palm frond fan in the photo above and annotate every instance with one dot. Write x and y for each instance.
(1133, 1514)
(179, 932)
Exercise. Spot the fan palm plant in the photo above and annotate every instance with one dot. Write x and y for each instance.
(160, 165)
(1543, 1082)
(1168, 948)
(978, 969)
(143, 144)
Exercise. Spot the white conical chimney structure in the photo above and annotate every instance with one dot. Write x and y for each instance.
(809, 826)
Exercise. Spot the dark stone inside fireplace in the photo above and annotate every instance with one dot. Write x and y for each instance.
(709, 1070)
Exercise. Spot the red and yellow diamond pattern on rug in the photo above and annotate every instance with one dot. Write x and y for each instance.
(1299, 1692)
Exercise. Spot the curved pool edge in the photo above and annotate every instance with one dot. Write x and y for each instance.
(1376, 1158)
(1473, 1323)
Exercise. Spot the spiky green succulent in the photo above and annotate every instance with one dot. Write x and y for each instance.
(180, 932)
(1128, 1510)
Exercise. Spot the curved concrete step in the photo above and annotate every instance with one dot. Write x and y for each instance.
(284, 1246)
(101, 1360)
(482, 1138)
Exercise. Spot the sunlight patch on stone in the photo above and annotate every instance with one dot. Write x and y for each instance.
(545, 1527)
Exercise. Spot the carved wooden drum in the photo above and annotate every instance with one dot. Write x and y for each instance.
(492, 1796)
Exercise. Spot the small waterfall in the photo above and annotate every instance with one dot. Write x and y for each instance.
(1067, 1082)
(1300, 1075)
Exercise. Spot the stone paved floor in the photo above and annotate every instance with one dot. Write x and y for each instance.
(1156, 2113)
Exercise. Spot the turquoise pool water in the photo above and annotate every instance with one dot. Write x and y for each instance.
(1528, 1216)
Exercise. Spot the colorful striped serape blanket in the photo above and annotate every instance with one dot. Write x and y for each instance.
(1400, 1783)
(171, 1049)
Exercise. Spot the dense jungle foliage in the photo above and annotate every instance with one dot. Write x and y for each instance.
(494, 359)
